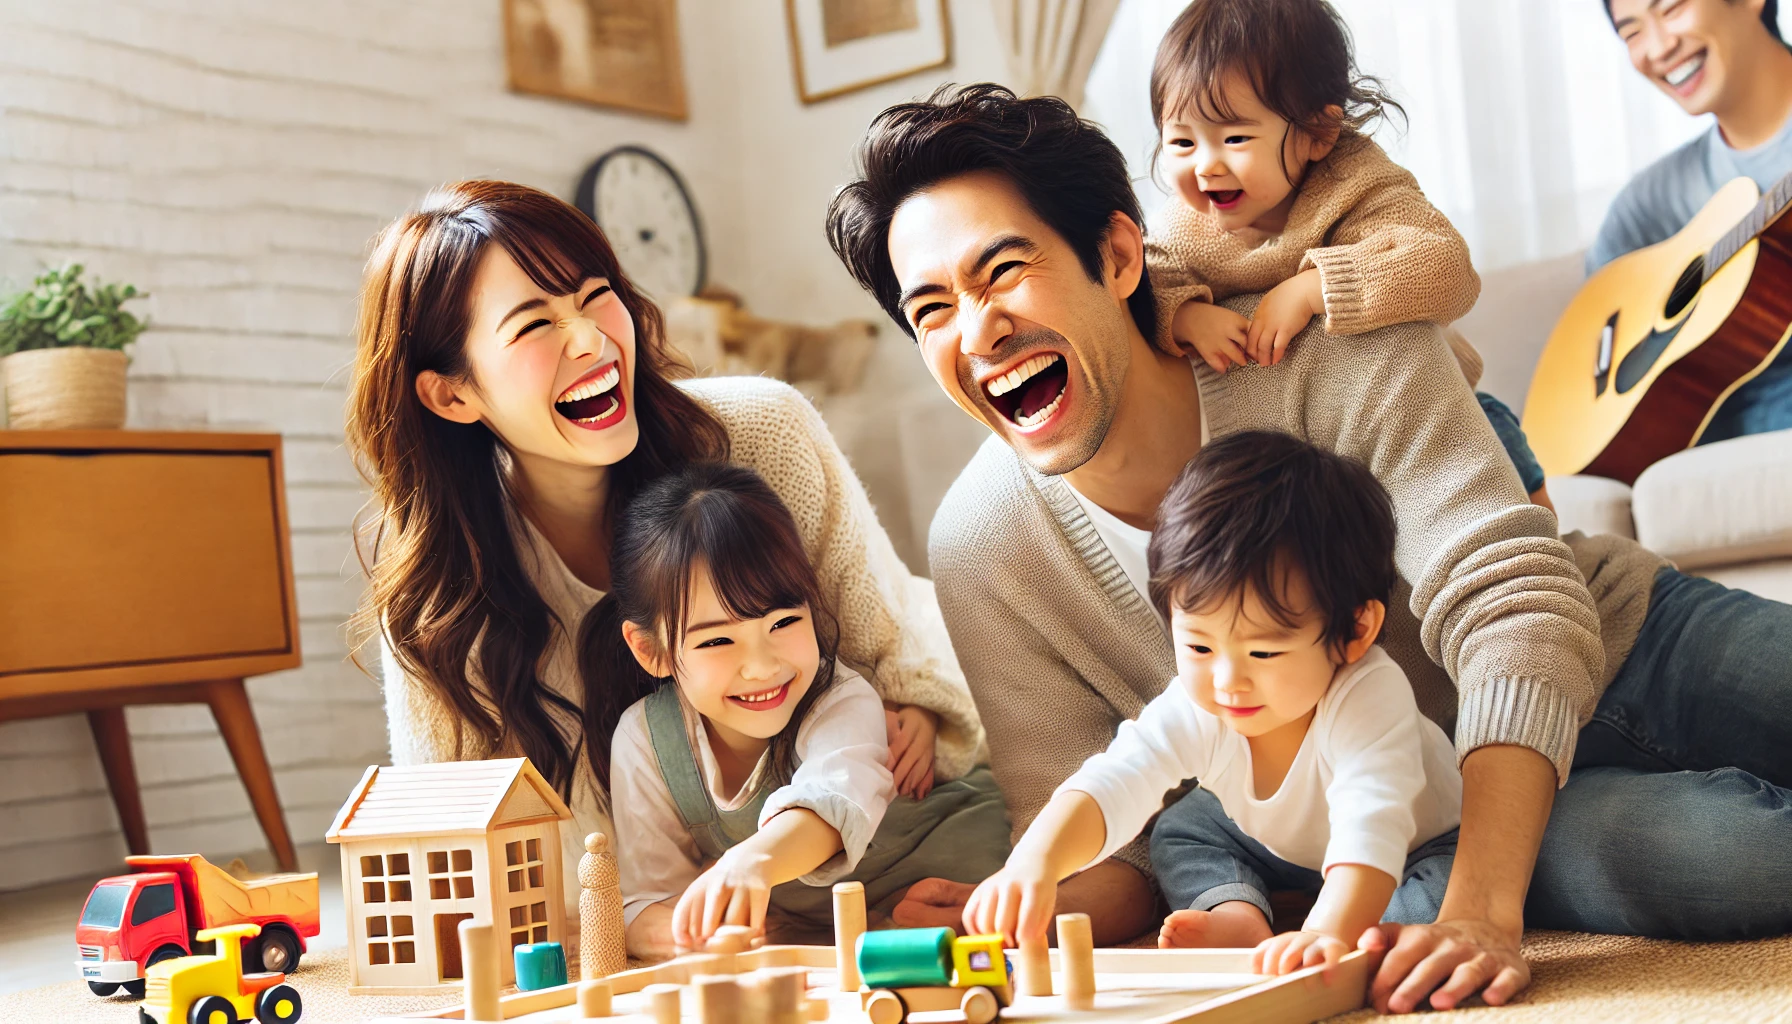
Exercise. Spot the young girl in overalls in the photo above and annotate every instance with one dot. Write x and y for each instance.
(756, 776)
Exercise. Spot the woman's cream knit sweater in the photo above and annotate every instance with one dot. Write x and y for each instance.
(890, 626)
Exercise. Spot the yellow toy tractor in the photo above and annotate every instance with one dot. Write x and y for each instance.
(212, 988)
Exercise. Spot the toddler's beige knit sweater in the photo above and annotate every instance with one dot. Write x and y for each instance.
(1385, 254)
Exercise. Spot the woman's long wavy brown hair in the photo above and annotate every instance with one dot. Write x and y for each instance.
(445, 575)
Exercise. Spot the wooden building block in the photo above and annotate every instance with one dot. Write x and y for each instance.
(1035, 968)
(594, 999)
(849, 924)
(662, 1002)
(480, 961)
(1076, 944)
(603, 947)
(718, 999)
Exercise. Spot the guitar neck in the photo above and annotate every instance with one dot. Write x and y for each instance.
(1748, 228)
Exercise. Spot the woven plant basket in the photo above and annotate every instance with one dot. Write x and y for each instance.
(65, 389)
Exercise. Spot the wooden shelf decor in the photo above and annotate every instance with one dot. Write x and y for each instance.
(141, 567)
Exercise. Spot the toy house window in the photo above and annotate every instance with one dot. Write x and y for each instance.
(523, 867)
(450, 874)
(398, 883)
(390, 940)
(153, 902)
(528, 924)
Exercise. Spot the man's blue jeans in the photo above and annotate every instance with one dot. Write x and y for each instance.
(1676, 820)
(1202, 859)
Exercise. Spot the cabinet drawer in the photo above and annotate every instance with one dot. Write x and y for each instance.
(138, 558)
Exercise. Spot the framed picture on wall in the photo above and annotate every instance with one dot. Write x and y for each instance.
(837, 46)
(612, 53)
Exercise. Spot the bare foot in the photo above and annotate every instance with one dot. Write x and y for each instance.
(1231, 925)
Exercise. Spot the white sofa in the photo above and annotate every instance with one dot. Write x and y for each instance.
(1722, 510)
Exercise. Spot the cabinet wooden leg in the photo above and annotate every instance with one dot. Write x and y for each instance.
(236, 721)
(113, 739)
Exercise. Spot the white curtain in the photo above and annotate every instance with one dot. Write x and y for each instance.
(1051, 44)
(1526, 117)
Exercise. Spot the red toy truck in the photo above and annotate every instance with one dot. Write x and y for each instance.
(133, 921)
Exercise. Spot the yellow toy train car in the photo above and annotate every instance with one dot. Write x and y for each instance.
(909, 970)
(212, 988)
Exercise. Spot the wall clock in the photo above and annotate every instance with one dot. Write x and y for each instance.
(642, 206)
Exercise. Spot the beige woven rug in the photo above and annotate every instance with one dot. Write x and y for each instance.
(1576, 979)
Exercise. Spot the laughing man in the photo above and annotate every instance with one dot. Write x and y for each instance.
(1004, 236)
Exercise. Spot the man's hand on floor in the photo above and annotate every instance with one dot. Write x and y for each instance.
(931, 903)
(1448, 961)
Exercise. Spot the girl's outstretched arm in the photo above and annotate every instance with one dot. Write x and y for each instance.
(738, 887)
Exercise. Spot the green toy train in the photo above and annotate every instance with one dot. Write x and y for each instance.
(908, 970)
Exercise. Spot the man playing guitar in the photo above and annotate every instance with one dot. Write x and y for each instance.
(1725, 58)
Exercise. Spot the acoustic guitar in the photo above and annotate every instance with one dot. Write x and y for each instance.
(1657, 339)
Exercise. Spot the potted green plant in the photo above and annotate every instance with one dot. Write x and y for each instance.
(63, 347)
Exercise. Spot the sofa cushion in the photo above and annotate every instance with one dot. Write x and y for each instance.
(1719, 504)
(1591, 504)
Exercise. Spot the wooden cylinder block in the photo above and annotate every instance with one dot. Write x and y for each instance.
(1076, 947)
(594, 999)
(1035, 968)
(662, 1002)
(849, 924)
(479, 962)
(718, 999)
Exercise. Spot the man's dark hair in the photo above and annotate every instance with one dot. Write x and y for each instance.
(1072, 176)
(1251, 507)
(1770, 16)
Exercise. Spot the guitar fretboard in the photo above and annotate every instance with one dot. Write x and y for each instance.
(1765, 212)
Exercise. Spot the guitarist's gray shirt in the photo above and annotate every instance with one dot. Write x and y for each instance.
(1508, 633)
(1661, 199)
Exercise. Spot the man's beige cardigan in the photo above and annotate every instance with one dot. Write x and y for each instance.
(890, 628)
(1492, 621)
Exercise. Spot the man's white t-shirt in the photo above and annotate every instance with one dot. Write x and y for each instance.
(1127, 543)
(1372, 781)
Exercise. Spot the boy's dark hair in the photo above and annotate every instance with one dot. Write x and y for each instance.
(1770, 17)
(1296, 54)
(724, 518)
(1071, 175)
(1253, 506)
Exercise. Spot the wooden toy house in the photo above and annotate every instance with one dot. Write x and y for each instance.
(428, 846)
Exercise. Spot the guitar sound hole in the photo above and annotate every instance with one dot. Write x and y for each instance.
(1686, 288)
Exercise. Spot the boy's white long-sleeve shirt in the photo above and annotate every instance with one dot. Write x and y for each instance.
(1372, 780)
(842, 776)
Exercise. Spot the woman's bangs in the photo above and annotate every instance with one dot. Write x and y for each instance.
(557, 261)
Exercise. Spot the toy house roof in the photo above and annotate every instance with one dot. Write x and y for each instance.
(454, 798)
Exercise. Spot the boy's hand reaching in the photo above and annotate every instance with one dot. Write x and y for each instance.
(912, 730)
(1016, 901)
(1214, 333)
(1284, 312)
(1291, 951)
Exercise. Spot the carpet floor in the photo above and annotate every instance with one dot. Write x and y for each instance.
(1576, 979)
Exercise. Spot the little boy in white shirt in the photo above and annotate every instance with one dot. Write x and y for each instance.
(1274, 561)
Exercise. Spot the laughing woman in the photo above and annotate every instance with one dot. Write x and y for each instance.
(512, 391)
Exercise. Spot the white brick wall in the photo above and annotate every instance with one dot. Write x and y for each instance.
(233, 158)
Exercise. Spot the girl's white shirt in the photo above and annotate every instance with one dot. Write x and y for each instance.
(1373, 778)
(841, 776)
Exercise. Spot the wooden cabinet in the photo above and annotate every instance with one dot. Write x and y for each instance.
(142, 567)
